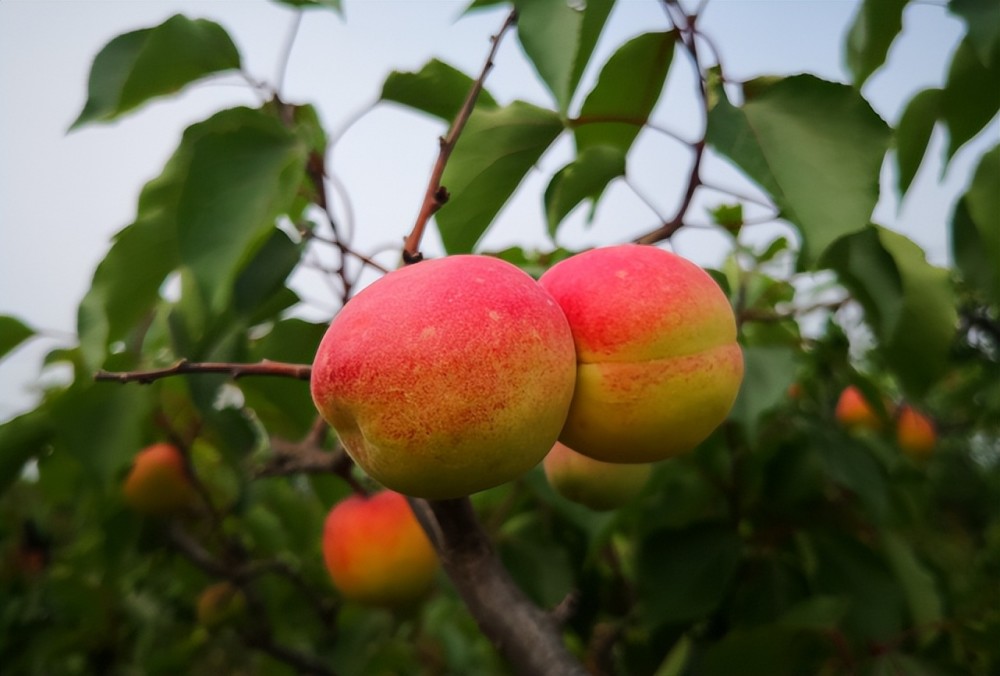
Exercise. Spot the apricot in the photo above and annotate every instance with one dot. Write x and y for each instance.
(601, 486)
(219, 603)
(376, 551)
(915, 433)
(447, 377)
(854, 412)
(158, 484)
(658, 365)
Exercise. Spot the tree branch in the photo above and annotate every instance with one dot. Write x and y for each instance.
(529, 638)
(235, 370)
(436, 194)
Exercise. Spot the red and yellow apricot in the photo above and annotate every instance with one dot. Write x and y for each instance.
(915, 433)
(599, 485)
(376, 551)
(158, 484)
(447, 377)
(658, 365)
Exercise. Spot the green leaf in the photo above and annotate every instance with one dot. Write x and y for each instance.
(144, 64)
(684, 575)
(21, 439)
(437, 89)
(849, 568)
(559, 38)
(908, 302)
(284, 406)
(982, 201)
(982, 18)
(627, 89)
(969, 102)
(729, 216)
(790, 132)
(243, 171)
(771, 650)
(116, 411)
(494, 153)
(978, 269)
(850, 464)
(767, 373)
(212, 207)
(875, 26)
(586, 177)
(264, 277)
(918, 585)
(13, 332)
(914, 132)
(312, 4)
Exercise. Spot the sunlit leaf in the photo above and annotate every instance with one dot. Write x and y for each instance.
(815, 146)
(875, 26)
(144, 64)
(584, 178)
(558, 38)
(492, 157)
(627, 89)
(437, 89)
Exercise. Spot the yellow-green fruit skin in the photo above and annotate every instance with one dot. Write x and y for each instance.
(158, 483)
(658, 365)
(601, 486)
(376, 552)
(447, 377)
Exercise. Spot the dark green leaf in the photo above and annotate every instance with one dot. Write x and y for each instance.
(851, 465)
(816, 147)
(144, 64)
(729, 216)
(978, 270)
(770, 650)
(969, 102)
(817, 613)
(284, 406)
(914, 132)
(983, 203)
(559, 39)
(768, 371)
(875, 26)
(918, 585)
(265, 275)
(684, 575)
(982, 17)
(846, 567)
(436, 89)
(13, 332)
(908, 302)
(21, 439)
(626, 91)
(495, 152)
(584, 178)
(102, 425)
(310, 4)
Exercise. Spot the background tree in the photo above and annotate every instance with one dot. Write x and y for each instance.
(786, 543)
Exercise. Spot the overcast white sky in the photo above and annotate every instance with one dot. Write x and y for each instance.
(62, 196)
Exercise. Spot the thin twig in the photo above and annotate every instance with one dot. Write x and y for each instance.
(265, 367)
(436, 194)
(286, 52)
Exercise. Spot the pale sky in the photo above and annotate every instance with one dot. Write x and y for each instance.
(62, 196)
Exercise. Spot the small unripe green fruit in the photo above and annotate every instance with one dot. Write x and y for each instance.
(376, 551)
(219, 603)
(158, 483)
(601, 486)
(658, 365)
(915, 433)
(447, 377)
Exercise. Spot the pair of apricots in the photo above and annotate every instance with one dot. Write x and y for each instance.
(455, 375)
(915, 433)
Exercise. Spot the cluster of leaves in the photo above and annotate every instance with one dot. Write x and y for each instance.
(782, 545)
